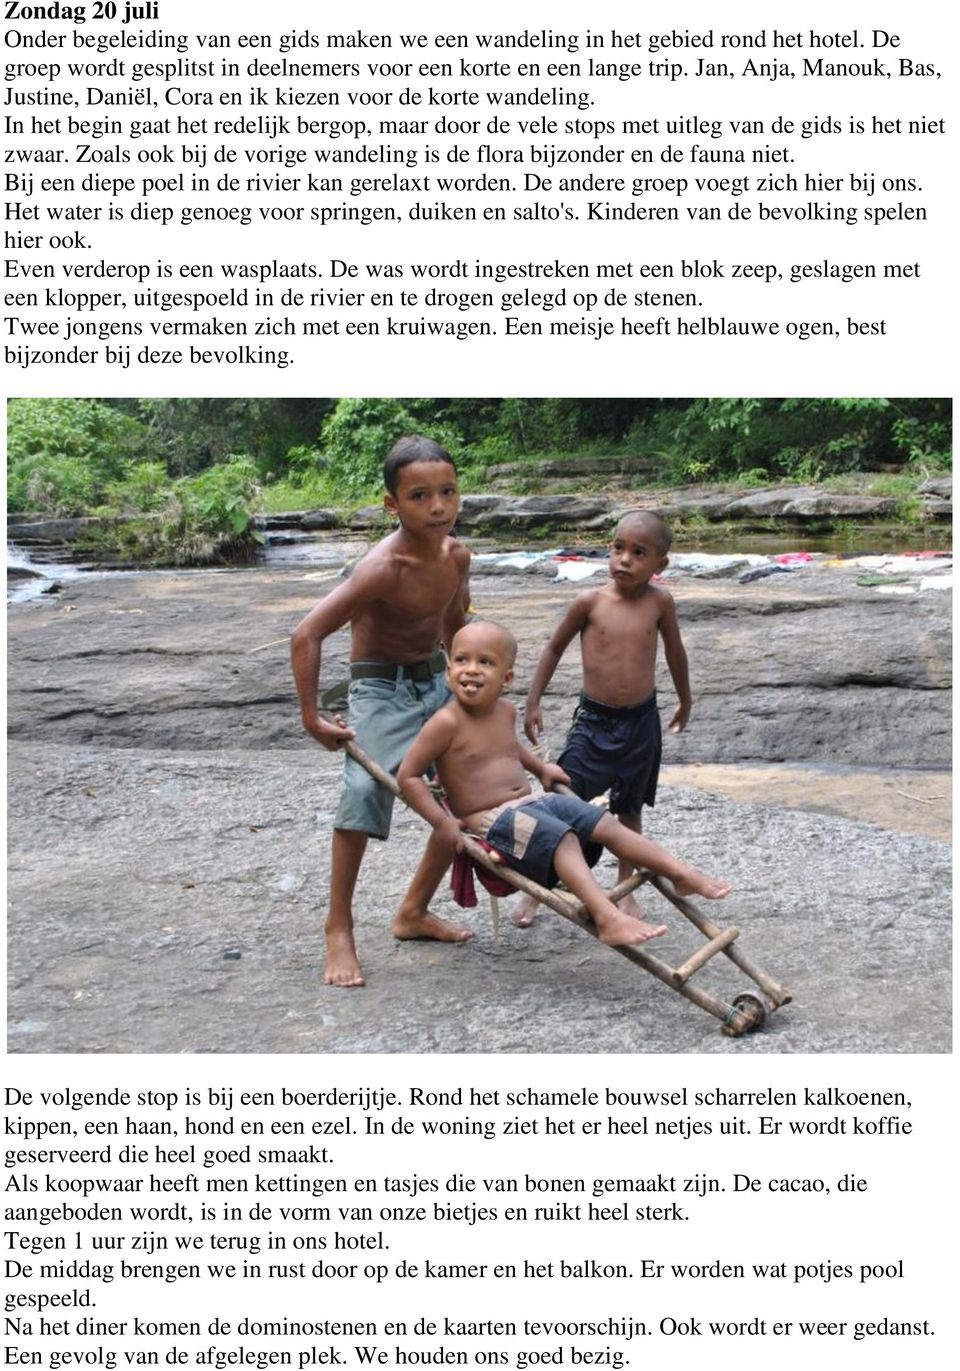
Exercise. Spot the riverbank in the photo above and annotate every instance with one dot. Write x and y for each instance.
(842, 516)
(169, 829)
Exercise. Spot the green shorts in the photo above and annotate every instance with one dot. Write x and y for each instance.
(386, 717)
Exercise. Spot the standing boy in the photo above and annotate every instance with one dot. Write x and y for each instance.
(550, 837)
(404, 598)
(614, 743)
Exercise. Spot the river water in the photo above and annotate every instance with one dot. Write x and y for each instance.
(28, 578)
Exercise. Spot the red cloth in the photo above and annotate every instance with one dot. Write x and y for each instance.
(462, 882)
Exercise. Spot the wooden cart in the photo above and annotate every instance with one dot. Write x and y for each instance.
(748, 1010)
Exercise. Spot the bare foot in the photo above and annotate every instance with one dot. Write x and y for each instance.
(696, 883)
(624, 931)
(525, 912)
(427, 925)
(629, 906)
(342, 967)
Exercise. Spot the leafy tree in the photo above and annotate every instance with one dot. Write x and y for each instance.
(197, 433)
(359, 433)
(61, 453)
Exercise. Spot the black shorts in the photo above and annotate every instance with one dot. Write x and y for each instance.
(617, 750)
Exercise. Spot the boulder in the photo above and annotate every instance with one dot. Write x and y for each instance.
(826, 506)
(518, 512)
(320, 518)
(472, 507)
(938, 485)
(62, 530)
(371, 516)
(767, 504)
(695, 506)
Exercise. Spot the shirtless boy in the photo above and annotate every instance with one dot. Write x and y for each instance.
(473, 743)
(614, 741)
(404, 598)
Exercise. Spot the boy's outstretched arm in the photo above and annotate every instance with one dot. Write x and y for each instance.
(569, 626)
(677, 663)
(306, 642)
(430, 743)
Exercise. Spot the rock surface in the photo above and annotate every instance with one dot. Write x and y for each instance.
(167, 813)
(807, 667)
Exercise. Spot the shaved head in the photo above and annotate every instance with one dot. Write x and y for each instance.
(656, 529)
(485, 630)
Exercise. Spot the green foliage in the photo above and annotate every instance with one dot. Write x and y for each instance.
(493, 449)
(304, 463)
(62, 453)
(143, 489)
(204, 519)
(360, 432)
(167, 462)
(219, 503)
(794, 439)
(196, 433)
(52, 484)
(756, 476)
(895, 487)
(536, 425)
(925, 443)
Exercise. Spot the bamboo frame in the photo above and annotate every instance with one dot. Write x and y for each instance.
(747, 1012)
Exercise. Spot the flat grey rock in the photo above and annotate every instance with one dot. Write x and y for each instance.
(166, 809)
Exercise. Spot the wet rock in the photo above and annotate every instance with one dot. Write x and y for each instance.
(767, 504)
(289, 519)
(370, 516)
(935, 508)
(838, 507)
(160, 780)
(558, 511)
(473, 507)
(61, 530)
(695, 506)
(320, 518)
(812, 896)
(938, 485)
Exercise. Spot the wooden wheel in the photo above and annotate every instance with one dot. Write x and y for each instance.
(753, 1009)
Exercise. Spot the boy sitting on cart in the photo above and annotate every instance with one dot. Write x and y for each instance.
(472, 742)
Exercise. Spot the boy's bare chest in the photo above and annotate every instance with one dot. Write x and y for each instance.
(403, 623)
(478, 741)
(416, 598)
(423, 590)
(622, 625)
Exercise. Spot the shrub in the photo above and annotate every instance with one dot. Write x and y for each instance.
(144, 489)
(62, 453)
(52, 484)
(303, 464)
(221, 501)
(203, 519)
